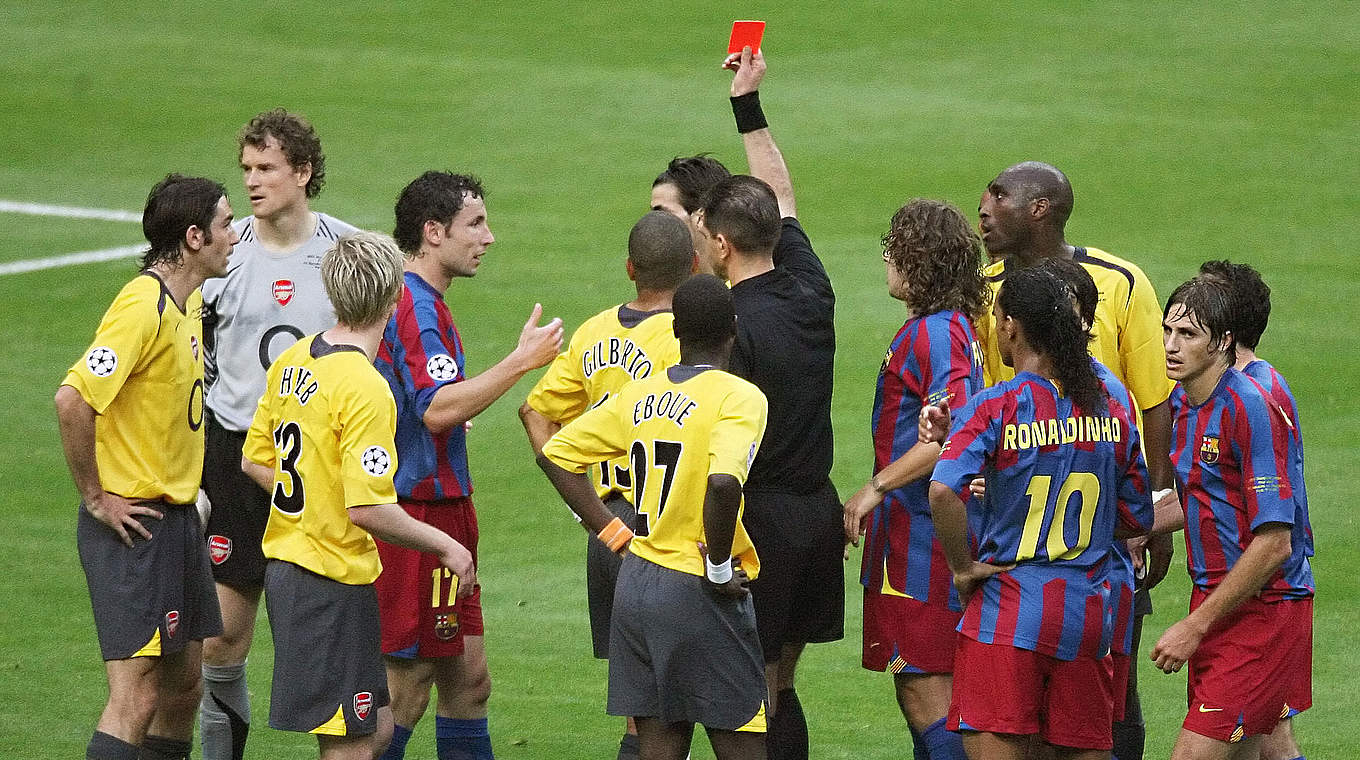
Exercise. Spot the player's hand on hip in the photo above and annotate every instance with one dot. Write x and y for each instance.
(1176, 646)
(539, 344)
(857, 512)
(971, 579)
(459, 562)
(749, 67)
(933, 423)
(120, 515)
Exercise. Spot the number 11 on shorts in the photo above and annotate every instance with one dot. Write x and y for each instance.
(442, 575)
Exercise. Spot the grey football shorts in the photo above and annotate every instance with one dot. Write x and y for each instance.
(681, 653)
(602, 574)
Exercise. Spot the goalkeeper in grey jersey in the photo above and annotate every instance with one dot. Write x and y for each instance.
(272, 295)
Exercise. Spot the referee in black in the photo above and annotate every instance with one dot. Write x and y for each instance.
(749, 233)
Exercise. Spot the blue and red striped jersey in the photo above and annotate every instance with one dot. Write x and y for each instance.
(1058, 479)
(1279, 391)
(421, 353)
(931, 359)
(1234, 459)
(1122, 579)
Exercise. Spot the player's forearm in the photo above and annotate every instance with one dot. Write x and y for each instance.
(456, 403)
(722, 504)
(1157, 443)
(917, 463)
(1268, 550)
(538, 427)
(390, 523)
(1167, 515)
(766, 163)
(76, 423)
(576, 490)
(262, 475)
(948, 513)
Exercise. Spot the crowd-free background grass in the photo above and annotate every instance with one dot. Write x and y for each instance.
(1190, 131)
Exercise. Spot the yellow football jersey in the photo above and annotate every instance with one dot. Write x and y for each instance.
(614, 347)
(1128, 328)
(675, 432)
(143, 375)
(325, 425)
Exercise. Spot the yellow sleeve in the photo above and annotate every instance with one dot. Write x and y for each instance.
(560, 395)
(1141, 354)
(259, 446)
(128, 327)
(596, 436)
(737, 432)
(368, 452)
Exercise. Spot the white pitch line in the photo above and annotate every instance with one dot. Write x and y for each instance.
(74, 212)
(82, 257)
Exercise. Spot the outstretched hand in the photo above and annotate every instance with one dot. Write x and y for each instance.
(538, 345)
(933, 424)
(749, 68)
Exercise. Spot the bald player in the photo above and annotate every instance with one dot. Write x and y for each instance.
(623, 343)
(1022, 216)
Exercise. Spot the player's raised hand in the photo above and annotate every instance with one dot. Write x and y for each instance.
(459, 562)
(749, 67)
(120, 515)
(933, 424)
(539, 344)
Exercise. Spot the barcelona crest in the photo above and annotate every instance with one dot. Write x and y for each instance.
(1208, 449)
(446, 625)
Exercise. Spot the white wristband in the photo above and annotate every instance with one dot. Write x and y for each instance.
(718, 573)
(1161, 494)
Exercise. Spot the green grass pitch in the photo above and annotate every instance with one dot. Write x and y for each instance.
(1190, 131)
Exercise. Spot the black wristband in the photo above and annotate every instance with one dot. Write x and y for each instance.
(746, 109)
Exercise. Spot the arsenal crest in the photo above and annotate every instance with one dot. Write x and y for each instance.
(363, 703)
(171, 623)
(1208, 449)
(219, 549)
(283, 291)
(193, 346)
(446, 626)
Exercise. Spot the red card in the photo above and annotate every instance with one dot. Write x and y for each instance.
(746, 33)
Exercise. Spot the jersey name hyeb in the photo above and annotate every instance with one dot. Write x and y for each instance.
(1052, 432)
(617, 352)
(299, 382)
(672, 405)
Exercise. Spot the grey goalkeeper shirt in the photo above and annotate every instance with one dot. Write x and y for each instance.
(262, 306)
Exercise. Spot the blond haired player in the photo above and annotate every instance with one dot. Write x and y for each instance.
(322, 444)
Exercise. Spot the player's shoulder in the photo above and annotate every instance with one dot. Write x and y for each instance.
(1103, 265)
(332, 229)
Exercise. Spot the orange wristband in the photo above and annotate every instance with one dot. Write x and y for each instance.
(615, 535)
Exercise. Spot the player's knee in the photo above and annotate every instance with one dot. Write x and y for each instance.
(136, 705)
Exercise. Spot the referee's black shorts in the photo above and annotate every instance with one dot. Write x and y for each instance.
(800, 592)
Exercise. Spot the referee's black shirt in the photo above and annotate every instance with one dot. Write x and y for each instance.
(786, 343)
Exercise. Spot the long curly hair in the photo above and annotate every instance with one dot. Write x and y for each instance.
(1040, 302)
(937, 253)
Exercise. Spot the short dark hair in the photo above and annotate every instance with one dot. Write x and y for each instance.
(745, 211)
(704, 314)
(1251, 299)
(1041, 303)
(693, 177)
(1036, 179)
(174, 205)
(297, 139)
(1208, 301)
(1080, 285)
(933, 246)
(662, 251)
(436, 196)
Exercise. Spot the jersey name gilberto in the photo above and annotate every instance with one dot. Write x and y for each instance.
(299, 382)
(616, 352)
